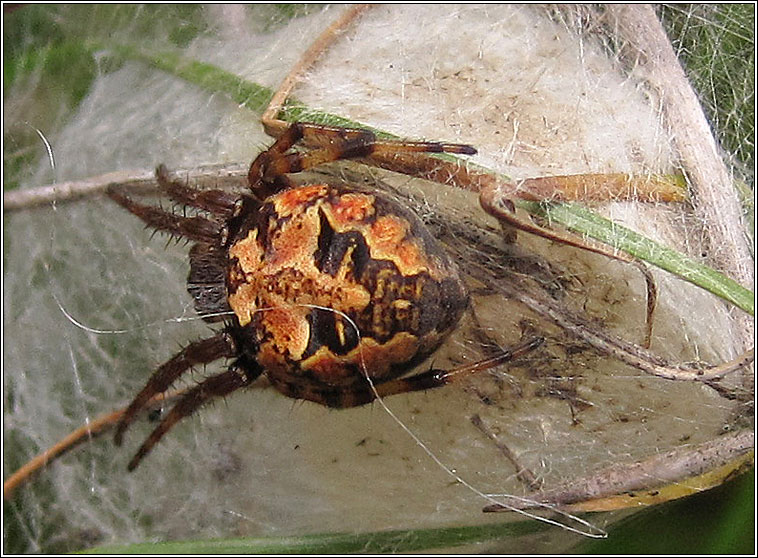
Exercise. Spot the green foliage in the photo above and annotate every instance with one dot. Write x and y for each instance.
(272, 16)
(340, 543)
(716, 44)
(49, 63)
(45, 77)
(720, 521)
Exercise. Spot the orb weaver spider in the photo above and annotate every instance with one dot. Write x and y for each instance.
(332, 292)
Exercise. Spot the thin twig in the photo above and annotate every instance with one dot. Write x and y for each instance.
(136, 181)
(85, 433)
(598, 492)
(522, 473)
(624, 351)
(271, 124)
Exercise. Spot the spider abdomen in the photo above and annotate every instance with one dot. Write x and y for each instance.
(330, 284)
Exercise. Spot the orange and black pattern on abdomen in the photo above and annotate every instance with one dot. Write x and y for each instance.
(416, 304)
(325, 280)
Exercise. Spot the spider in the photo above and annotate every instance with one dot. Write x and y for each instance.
(331, 291)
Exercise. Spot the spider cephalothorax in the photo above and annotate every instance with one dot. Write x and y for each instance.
(332, 292)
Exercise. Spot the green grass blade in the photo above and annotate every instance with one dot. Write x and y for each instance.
(410, 540)
(207, 76)
(583, 221)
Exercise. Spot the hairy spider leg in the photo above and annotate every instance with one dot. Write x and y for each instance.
(199, 352)
(237, 377)
(199, 229)
(327, 136)
(219, 385)
(363, 393)
(267, 172)
(436, 378)
(218, 202)
(319, 135)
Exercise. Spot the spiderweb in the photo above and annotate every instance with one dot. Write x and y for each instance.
(91, 305)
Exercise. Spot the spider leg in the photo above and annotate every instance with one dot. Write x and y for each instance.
(436, 378)
(503, 210)
(199, 229)
(363, 392)
(219, 385)
(328, 136)
(268, 170)
(218, 202)
(199, 352)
